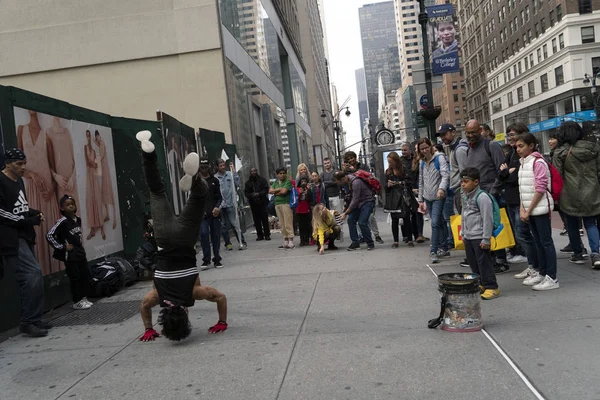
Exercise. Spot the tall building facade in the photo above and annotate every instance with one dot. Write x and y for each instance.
(410, 50)
(361, 96)
(536, 71)
(380, 51)
(317, 79)
(229, 65)
(476, 46)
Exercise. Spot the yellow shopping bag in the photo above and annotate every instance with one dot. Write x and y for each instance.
(456, 225)
(503, 238)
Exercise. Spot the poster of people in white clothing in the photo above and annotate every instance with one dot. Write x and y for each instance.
(75, 158)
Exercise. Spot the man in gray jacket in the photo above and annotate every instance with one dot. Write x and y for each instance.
(486, 156)
(229, 181)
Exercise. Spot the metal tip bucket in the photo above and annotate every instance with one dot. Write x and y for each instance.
(460, 302)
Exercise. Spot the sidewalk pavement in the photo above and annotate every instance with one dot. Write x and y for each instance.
(346, 325)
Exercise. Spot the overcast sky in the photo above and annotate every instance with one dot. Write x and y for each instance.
(345, 56)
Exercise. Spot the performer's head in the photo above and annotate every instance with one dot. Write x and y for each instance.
(175, 322)
(68, 207)
(15, 162)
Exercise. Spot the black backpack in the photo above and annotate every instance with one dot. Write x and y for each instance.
(107, 278)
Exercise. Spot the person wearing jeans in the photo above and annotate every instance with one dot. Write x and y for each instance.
(434, 179)
(17, 239)
(210, 228)
(578, 162)
(229, 181)
(591, 227)
(359, 210)
(536, 206)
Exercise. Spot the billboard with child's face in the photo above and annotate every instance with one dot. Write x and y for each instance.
(443, 36)
(74, 158)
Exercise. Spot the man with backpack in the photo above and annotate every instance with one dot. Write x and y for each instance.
(359, 210)
(351, 165)
(487, 157)
(478, 221)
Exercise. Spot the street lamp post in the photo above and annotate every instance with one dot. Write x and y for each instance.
(430, 113)
(336, 129)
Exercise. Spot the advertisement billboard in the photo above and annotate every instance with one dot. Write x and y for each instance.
(444, 38)
(75, 158)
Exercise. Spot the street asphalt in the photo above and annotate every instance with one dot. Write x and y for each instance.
(346, 325)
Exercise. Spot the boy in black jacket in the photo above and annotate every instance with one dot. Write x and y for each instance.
(65, 237)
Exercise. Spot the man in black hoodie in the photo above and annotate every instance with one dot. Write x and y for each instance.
(17, 239)
(210, 228)
(256, 191)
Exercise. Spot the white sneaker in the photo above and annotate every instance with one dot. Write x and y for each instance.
(81, 305)
(525, 273)
(290, 245)
(533, 279)
(509, 257)
(517, 259)
(143, 135)
(547, 284)
(87, 301)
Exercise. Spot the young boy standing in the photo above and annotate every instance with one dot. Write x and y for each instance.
(65, 237)
(477, 228)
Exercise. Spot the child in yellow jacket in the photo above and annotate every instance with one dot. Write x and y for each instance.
(326, 227)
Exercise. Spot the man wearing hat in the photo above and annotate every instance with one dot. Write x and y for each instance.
(455, 149)
(17, 239)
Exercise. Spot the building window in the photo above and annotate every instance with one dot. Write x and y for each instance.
(458, 122)
(457, 110)
(568, 106)
(561, 41)
(545, 51)
(539, 55)
(587, 34)
(509, 97)
(595, 65)
(544, 81)
(531, 89)
(559, 13)
(559, 76)
(543, 23)
(554, 48)
(585, 6)
(526, 63)
(454, 85)
(520, 94)
(455, 97)
(551, 18)
(497, 105)
(531, 60)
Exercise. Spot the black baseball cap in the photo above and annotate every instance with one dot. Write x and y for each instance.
(445, 128)
(204, 162)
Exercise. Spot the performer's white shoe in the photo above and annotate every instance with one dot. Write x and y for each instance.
(190, 167)
(144, 138)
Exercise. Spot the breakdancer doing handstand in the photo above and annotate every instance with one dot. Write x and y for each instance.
(176, 279)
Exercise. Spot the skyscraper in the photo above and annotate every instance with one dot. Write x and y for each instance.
(380, 51)
(361, 90)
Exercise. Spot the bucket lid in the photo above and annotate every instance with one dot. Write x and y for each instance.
(458, 278)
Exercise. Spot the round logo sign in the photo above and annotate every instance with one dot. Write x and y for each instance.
(423, 101)
(384, 137)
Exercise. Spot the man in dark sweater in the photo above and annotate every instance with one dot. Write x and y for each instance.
(17, 240)
(359, 210)
(210, 229)
(256, 191)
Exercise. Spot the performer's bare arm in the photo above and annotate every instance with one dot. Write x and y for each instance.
(212, 294)
(150, 300)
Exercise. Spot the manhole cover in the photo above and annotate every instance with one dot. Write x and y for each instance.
(100, 314)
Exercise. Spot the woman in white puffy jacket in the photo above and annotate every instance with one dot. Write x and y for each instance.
(536, 208)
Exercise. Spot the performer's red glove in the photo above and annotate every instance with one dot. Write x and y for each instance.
(221, 326)
(150, 335)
